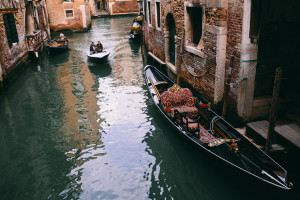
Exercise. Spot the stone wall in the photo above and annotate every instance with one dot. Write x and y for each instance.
(80, 21)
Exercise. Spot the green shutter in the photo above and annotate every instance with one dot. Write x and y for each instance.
(7, 29)
(10, 29)
(13, 28)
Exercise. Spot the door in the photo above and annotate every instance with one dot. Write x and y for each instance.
(172, 30)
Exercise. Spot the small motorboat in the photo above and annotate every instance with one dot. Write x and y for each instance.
(100, 55)
(200, 125)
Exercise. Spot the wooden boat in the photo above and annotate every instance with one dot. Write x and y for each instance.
(100, 55)
(211, 132)
(58, 45)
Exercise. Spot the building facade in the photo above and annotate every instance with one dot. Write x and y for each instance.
(98, 7)
(23, 28)
(119, 7)
(195, 40)
(74, 15)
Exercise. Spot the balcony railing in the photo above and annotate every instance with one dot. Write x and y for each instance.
(11, 5)
(34, 42)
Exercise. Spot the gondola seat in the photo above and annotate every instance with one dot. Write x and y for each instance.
(182, 107)
(176, 99)
(192, 111)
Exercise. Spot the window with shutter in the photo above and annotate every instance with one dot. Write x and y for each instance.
(10, 29)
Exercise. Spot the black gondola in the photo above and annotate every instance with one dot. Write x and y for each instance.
(213, 134)
(136, 29)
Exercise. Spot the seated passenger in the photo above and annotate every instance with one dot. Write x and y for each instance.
(99, 47)
(62, 36)
(92, 48)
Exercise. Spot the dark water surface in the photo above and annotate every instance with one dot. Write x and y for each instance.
(75, 129)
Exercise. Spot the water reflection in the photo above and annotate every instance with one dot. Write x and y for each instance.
(73, 129)
(135, 45)
(57, 59)
(104, 117)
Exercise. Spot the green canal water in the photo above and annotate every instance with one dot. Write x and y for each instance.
(75, 129)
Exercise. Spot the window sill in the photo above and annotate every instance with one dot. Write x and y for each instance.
(195, 51)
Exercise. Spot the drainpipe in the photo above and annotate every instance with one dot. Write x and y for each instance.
(167, 45)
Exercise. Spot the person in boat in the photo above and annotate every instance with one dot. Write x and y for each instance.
(62, 40)
(92, 48)
(62, 36)
(99, 47)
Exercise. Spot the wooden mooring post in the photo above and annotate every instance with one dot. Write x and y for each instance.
(178, 66)
(227, 86)
(273, 110)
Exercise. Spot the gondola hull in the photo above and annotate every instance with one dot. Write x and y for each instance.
(248, 158)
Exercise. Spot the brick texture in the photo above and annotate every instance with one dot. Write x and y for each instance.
(10, 56)
(234, 39)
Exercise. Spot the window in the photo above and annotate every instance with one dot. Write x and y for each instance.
(195, 20)
(69, 13)
(158, 14)
(10, 29)
(149, 12)
(67, 0)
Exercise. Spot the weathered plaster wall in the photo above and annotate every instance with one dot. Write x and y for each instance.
(123, 7)
(81, 15)
(93, 7)
(11, 56)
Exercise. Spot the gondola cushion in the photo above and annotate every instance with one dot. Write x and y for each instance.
(192, 112)
(176, 99)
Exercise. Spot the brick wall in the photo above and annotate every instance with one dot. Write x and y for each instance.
(200, 71)
(202, 67)
(11, 56)
(234, 39)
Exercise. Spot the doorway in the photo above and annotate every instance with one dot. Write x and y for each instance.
(172, 31)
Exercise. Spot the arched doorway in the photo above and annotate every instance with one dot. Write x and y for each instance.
(172, 31)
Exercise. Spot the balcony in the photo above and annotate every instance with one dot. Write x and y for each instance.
(10, 6)
(34, 42)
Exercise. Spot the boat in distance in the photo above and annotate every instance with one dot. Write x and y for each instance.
(60, 44)
(198, 123)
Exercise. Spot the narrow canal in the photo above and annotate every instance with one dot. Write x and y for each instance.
(75, 129)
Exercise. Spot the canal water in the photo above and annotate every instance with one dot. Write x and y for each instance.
(71, 128)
